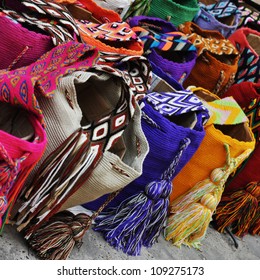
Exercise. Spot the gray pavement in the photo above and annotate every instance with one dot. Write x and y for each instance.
(215, 246)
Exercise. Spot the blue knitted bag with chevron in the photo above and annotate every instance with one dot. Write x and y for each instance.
(173, 125)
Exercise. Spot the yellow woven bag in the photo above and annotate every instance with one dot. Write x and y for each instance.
(197, 189)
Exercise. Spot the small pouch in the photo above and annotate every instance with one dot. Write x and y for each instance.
(177, 12)
(223, 16)
(197, 189)
(165, 47)
(247, 42)
(217, 61)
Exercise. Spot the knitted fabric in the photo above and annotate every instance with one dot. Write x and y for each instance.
(114, 172)
(214, 16)
(112, 37)
(217, 60)
(247, 41)
(159, 129)
(19, 46)
(52, 18)
(102, 118)
(18, 88)
(164, 47)
(45, 73)
(223, 112)
(176, 12)
(200, 184)
(247, 96)
(22, 139)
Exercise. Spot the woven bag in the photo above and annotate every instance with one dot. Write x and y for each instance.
(217, 61)
(197, 189)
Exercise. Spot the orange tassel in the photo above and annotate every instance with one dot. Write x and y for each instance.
(240, 210)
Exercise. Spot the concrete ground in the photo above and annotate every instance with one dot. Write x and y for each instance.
(215, 246)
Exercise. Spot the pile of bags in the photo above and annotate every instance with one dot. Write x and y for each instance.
(143, 114)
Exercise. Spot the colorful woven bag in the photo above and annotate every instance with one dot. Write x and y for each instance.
(94, 127)
(101, 131)
(119, 165)
(165, 47)
(247, 42)
(18, 88)
(239, 207)
(250, 16)
(222, 16)
(217, 61)
(135, 217)
(197, 189)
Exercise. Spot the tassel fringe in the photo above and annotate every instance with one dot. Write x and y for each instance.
(240, 211)
(139, 220)
(56, 239)
(191, 213)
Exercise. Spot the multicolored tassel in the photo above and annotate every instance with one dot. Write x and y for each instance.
(240, 210)
(56, 238)
(191, 213)
(138, 221)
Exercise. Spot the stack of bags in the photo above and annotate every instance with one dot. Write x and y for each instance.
(143, 114)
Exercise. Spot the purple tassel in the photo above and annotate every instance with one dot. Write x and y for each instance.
(158, 215)
(138, 220)
(125, 227)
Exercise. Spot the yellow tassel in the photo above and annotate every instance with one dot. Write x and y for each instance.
(191, 213)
